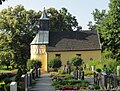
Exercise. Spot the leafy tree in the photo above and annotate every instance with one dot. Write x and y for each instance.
(76, 61)
(91, 26)
(61, 20)
(55, 63)
(108, 25)
(1, 1)
(16, 25)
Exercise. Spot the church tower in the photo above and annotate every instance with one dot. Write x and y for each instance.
(38, 45)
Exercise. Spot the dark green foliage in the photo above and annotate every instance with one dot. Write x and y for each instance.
(76, 61)
(32, 63)
(7, 80)
(18, 75)
(2, 86)
(55, 63)
(61, 20)
(98, 70)
(96, 87)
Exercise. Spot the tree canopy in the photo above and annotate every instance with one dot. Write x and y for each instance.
(2, 1)
(108, 25)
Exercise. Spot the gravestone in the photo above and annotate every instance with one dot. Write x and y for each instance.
(76, 74)
(13, 86)
(24, 82)
(95, 77)
(92, 68)
(39, 73)
(118, 70)
(103, 81)
(82, 75)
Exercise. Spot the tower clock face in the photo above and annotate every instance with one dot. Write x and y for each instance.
(38, 50)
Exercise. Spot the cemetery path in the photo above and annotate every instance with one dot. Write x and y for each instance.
(43, 84)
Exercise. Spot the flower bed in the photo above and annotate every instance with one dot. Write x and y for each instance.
(70, 84)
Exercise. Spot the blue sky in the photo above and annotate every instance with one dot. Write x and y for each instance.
(82, 9)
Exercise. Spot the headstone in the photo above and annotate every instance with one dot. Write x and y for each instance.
(92, 68)
(115, 81)
(104, 82)
(13, 86)
(95, 77)
(28, 79)
(76, 74)
(118, 70)
(24, 82)
(39, 73)
(82, 75)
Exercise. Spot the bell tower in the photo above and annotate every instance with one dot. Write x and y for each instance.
(44, 21)
(38, 45)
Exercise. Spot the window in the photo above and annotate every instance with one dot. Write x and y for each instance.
(91, 59)
(79, 55)
(58, 55)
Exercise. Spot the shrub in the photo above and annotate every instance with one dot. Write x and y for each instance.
(61, 72)
(98, 70)
(55, 63)
(18, 75)
(88, 73)
(53, 74)
(32, 63)
(76, 61)
(7, 80)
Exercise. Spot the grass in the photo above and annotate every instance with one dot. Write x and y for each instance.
(8, 71)
(3, 69)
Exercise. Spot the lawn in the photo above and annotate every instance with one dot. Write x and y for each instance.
(8, 71)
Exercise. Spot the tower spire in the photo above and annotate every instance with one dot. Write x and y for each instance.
(44, 15)
(44, 21)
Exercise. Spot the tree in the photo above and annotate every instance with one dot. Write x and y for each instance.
(55, 63)
(16, 25)
(76, 61)
(61, 20)
(108, 26)
(6, 54)
(2, 1)
(91, 26)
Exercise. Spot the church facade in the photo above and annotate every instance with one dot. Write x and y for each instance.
(64, 44)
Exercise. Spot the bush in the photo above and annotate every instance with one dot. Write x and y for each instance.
(7, 81)
(7, 87)
(53, 74)
(98, 70)
(61, 72)
(18, 75)
(88, 73)
(55, 63)
(76, 61)
(32, 63)
(2, 86)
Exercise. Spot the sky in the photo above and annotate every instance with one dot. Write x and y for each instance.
(81, 9)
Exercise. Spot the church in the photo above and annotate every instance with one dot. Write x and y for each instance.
(64, 44)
